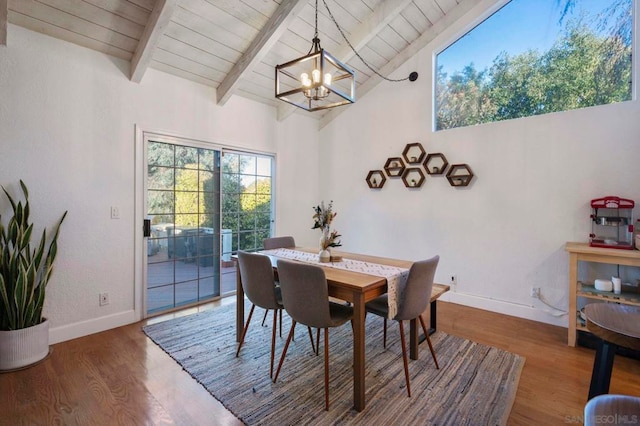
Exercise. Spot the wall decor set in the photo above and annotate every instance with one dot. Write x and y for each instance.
(408, 168)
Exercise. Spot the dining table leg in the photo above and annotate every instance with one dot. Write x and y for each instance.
(602, 368)
(358, 352)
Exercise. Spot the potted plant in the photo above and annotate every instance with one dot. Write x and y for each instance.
(24, 273)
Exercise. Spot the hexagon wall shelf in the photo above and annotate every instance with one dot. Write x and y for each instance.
(376, 179)
(413, 177)
(413, 153)
(436, 164)
(459, 175)
(394, 167)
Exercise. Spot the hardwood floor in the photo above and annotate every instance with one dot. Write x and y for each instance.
(121, 377)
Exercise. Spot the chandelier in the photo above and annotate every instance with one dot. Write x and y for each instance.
(317, 80)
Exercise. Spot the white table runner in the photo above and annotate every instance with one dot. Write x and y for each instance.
(396, 276)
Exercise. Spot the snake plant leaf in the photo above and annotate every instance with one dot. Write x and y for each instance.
(13, 231)
(19, 215)
(27, 210)
(26, 237)
(9, 318)
(25, 191)
(37, 254)
(19, 297)
(13, 204)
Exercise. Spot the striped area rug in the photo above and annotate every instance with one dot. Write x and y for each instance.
(475, 385)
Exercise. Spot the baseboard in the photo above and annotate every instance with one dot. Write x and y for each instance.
(503, 307)
(96, 325)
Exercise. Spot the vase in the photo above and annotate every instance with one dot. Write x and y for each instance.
(23, 347)
(325, 254)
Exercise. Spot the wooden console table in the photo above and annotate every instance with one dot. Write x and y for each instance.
(582, 252)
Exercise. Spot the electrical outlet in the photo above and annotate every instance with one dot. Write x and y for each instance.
(535, 292)
(104, 299)
(454, 280)
(115, 212)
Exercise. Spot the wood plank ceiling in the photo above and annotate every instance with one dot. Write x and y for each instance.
(234, 45)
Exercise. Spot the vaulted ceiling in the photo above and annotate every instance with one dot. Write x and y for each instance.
(234, 45)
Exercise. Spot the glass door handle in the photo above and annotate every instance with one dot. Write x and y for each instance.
(146, 228)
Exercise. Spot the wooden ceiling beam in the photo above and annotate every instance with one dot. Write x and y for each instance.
(369, 28)
(4, 8)
(156, 25)
(407, 53)
(259, 47)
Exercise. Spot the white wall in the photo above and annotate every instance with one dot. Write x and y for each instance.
(67, 120)
(503, 234)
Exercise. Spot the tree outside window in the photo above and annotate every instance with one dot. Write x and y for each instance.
(588, 63)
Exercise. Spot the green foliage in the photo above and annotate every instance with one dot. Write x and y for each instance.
(581, 69)
(246, 208)
(191, 173)
(24, 272)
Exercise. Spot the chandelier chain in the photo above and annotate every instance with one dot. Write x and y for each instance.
(316, 33)
(351, 46)
(316, 42)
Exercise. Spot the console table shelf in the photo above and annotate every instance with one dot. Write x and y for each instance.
(627, 297)
(582, 252)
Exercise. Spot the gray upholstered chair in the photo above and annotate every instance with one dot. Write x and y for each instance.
(278, 242)
(256, 273)
(623, 408)
(413, 303)
(305, 296)
(275, 243)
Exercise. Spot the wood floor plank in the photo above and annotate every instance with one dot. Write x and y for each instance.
(121, 377)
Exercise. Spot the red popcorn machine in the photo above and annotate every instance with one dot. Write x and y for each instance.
(611, 223)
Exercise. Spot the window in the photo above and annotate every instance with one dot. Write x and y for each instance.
(246, 199)
(534, 57)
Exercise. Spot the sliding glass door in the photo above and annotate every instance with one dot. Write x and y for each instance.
(183, 207)
(202, 205)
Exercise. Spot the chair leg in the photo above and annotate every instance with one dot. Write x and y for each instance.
(426, 335)
(280, 322)
(317, 341)
(284, 351)
(326, 369)
(313, 348)
(273, 341)
(404, 357)
(384, 334)
(266, 311)
(244, 332)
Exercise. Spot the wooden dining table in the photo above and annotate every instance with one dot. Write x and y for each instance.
(357, 288)
(615, 325)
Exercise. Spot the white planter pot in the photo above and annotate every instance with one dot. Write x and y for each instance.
(20, 348)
